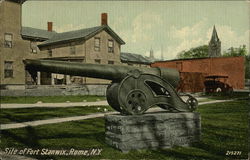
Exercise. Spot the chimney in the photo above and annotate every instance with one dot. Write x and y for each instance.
(50, 24)
(104, 19)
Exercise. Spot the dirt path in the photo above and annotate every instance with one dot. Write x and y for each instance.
(64, 104)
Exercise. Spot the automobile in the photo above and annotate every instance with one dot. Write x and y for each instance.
(217, 83)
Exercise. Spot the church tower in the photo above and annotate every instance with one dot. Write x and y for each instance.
(214, 46)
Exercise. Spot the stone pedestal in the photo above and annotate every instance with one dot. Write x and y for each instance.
(152, 130)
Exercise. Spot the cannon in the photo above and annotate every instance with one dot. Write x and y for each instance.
(133, 90)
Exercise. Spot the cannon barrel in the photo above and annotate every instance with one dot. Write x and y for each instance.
(102, 71)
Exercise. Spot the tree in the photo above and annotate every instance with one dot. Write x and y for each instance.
(247, 66)
(232, 52)
(197, 52)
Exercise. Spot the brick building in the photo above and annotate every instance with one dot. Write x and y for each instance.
(194, 71)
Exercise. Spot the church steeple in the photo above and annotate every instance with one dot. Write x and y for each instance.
(214, 37)
(214, 47)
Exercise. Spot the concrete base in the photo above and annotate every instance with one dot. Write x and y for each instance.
(152, 130)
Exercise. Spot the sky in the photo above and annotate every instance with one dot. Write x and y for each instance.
(167, 27)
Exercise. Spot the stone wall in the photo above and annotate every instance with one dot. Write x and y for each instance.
(50, 90)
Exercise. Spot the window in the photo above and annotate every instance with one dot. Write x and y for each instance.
(110, 62)
(97, 61)
(50, 52)
(8, 40)
(33, 47)
(72, 49)
(97, 44)
(110, 46)
(8, 69)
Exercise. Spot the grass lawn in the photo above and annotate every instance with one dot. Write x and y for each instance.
(50, 99)
(32, 114)
(234, 95)
(224, 128)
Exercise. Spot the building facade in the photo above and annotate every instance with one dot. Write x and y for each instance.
(97, 45)
(100, 45)
(13, 47)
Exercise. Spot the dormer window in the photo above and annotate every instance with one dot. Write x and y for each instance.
(97, 44)
(110, 46)
(8, 37)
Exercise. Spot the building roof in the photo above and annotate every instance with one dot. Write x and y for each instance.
(134, 58)
(36, 34)
(82, 34)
